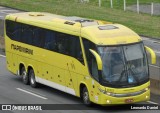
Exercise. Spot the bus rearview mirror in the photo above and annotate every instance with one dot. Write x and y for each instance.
(152, 53)
(98, 59)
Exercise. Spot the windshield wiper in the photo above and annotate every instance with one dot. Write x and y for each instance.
(126, 72)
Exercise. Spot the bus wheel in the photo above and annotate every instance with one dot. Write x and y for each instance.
(24, 76)
(32, 79)
(85, 97)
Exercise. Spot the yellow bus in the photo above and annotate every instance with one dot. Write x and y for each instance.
(98, 61)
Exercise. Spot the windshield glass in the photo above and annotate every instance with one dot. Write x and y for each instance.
(124, 65)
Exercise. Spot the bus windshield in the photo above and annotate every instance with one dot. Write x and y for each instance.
(124, 66)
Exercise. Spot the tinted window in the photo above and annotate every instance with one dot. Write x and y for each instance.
(74, 48)
(13, 30)
(27, 34)
(69, 45)
(44, 38)
(50, 42)
(91, 61)
(36, 37)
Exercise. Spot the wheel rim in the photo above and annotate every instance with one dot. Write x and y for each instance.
(32, 79)
(24, 75)
(86, 97)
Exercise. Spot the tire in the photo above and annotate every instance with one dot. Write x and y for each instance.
(85, 97)
(32, 79)
(24, 75)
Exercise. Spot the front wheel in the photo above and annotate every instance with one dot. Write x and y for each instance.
(32, 79)
(85, 97)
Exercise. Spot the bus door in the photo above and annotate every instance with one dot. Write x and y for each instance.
(76, 70)
(93, 84)
(70, 79)
(75, 64)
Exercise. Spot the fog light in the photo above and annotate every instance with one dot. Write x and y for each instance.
(108, 101)
(147, 97)
(147, 89)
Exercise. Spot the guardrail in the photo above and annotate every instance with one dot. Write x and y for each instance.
(155, 76)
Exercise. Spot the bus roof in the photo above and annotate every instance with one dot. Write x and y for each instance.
(99, 32)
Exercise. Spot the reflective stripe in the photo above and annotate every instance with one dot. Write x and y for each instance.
(55, 85)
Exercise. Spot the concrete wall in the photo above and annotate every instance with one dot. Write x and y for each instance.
(155, 76)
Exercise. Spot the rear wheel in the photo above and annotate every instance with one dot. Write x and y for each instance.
(24, 75)
(32, 79)
(85, 97)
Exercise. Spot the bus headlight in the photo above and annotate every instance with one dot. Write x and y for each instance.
(146, 89)
(105, 92)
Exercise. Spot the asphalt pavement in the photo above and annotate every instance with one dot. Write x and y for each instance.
(5, 10)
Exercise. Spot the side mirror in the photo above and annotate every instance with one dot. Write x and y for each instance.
(98, 59)
(152, 53)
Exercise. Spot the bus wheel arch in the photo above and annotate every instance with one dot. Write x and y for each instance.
(23, 73)
(84, 94)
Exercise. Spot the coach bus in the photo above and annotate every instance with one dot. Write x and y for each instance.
(98, 61)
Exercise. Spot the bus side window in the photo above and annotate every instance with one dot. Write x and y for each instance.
(37, 38)
(61, 40)
(27, 34)
(13, 30)
(74, 48)
(50, 43)
(91, 61)
(10, 28)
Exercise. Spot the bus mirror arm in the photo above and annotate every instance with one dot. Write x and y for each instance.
(152, 53)
(98, 59)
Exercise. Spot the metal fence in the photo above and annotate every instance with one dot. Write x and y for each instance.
(140, 6)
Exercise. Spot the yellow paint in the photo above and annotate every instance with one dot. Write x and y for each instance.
(98, 59)
(152, 53)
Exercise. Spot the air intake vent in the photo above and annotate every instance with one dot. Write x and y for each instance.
(36, 14)
(107, 27)
(69, 23)
(83, 20)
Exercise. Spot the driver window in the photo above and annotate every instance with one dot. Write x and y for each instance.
(91, 61)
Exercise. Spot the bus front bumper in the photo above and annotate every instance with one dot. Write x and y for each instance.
(110, 100)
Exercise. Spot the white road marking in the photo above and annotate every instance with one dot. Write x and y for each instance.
(152, 102)
(2, 56)
(31, 93)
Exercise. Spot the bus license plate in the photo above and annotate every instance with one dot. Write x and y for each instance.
(129, 100)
